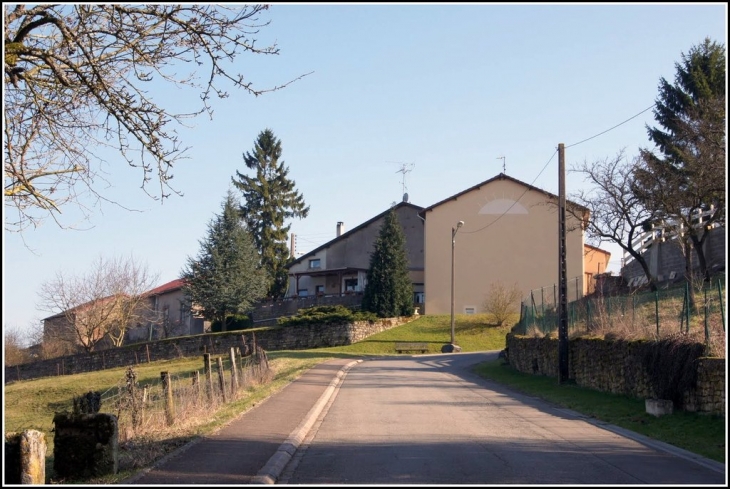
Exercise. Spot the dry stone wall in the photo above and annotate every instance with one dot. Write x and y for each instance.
(276, 338)
(616, 367)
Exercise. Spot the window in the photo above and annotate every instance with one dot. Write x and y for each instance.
(350, 284)
(418, 297)
(302, 292)
(319, 289)
(315, 263)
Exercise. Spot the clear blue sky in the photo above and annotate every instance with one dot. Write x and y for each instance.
(444, 89)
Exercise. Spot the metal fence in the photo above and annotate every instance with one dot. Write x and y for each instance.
(641, 314)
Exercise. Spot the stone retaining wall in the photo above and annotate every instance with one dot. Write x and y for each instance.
(275, 338)
(267, 312)
(616, 367)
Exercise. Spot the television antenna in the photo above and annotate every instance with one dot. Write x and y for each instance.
(404, 169)
(504, 163)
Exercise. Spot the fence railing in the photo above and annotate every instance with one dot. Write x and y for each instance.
(667, 232)
(546, 298)
(648, 314)
(175, 399)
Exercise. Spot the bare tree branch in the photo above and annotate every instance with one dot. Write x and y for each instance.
(74, 84)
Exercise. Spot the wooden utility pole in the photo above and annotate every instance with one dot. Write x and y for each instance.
(563, 349)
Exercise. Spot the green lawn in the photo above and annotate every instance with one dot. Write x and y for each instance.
(31, 404)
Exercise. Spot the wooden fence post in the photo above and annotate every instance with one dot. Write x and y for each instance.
(234, 373)
(221, 379)
(208, 376)
(148, 352)
(169, 406)
(196, 386)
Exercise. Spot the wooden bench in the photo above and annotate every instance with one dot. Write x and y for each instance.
(400, 347)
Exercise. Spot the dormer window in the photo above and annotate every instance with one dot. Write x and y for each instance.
(314, 263)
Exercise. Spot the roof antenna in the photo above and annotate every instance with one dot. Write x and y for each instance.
(504, 163)
(405, 168)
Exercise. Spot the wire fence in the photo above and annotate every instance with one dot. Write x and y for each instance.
(176, 401)
(651, 315)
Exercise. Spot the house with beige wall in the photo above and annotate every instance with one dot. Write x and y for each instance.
(510, 234)
(340, 266)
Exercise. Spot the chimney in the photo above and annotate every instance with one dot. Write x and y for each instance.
(340, 228)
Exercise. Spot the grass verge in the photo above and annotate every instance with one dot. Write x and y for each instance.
(698, 433)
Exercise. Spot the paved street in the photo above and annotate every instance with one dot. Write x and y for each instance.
(424, 420)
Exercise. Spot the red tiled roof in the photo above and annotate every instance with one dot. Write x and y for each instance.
(165, 288)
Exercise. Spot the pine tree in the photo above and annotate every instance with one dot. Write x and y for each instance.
(688, 173)
(269, 199)
(226, 278)
(389, 290)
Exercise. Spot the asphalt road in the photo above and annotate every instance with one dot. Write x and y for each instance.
(427, 420)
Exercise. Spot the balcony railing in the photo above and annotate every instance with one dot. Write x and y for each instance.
(669, 231)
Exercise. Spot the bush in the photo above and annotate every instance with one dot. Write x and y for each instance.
(326, 315)
(502, 301)
(235, 323)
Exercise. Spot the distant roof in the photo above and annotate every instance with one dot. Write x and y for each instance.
(501, 176)
(597, 249)
(162, 289)
(168, 287)
(354, 230)
(81, 307)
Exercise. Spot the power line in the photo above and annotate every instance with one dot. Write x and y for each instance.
(546, 165)
(515, 202)
(611, 129)
(308, 241)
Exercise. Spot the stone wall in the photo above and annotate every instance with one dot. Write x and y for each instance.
(275, 338)
(616, 367)
(267, 312)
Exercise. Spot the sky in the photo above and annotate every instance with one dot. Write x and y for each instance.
(426, 99)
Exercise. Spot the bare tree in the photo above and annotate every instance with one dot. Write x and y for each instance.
(102, 303)
(617, 215)
(14, 346)
(502, 301)
(78, 78)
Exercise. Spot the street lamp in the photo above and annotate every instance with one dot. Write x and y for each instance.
(453, 347)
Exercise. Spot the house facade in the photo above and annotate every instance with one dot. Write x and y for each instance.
(509, 234)
(60, 333)
(595, 263)
(164, 312)
(168, 313)
(340, 266)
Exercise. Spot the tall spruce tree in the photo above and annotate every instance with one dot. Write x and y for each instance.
(226, 278)
(269, 199)
(389, 290)
(687, 174)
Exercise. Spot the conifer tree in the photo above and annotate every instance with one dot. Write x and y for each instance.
(270, 198)
(389, 290)
(687, 173)
(226, 278)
